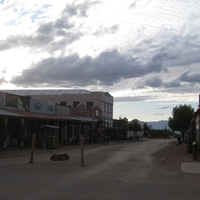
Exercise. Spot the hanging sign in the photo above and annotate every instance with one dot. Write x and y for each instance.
(59, 157)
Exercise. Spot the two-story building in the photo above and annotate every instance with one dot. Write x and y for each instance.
(21, 116)
(72, 98)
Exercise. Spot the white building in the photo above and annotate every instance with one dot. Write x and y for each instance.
(131, 134)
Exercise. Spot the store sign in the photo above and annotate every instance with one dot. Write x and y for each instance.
(11, 100)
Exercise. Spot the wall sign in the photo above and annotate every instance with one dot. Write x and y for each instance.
(11, 100)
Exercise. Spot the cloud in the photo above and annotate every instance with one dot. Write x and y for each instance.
(193, 78)
(107, 68)
(172, 84)
(63, 23)
(154, 82)
(79, 9)
(136, 2)
(106, 30)
(44, 39)
(135, 98)
(122, 47)
(158, 114)
(54, 35)
(162, 108)
(2, 79)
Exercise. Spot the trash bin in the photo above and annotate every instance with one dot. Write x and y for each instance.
(189, 148)
(179, 140)
(194, 150)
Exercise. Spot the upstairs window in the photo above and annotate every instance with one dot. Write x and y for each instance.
(63, 103)
(90, 105)
(75, 103)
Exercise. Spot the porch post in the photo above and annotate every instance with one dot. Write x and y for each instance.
(22, 133)
(65, 134)
(73, 131)
(80, 130)
(5, 132)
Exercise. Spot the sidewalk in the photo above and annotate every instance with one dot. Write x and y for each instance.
(193, 166)
(177, 157)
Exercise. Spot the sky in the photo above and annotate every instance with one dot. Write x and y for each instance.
(145, 53)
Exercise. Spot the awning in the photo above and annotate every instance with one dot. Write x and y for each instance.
(49, 126)
(83, 119)
(7, 113)
(26, 114)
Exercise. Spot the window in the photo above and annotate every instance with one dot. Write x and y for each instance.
(75, 103)
(90, 105)
(63, 103)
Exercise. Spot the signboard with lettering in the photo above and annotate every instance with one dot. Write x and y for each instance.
(60, 157)
(11, 100)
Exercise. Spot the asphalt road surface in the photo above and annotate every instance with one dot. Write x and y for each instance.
(119, 171)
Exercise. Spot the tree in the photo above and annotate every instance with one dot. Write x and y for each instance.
(146, 129)
(121, 127)
(181, 119)
(25, 102)
(135, 126)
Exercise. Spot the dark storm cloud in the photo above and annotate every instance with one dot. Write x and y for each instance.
(106, 69)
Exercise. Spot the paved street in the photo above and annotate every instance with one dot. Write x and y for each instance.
(148, 169)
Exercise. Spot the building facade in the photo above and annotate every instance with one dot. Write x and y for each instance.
(195, 133)
(21, 116)
(72, 98)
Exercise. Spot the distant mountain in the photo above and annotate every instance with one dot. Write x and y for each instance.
(159, 125)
